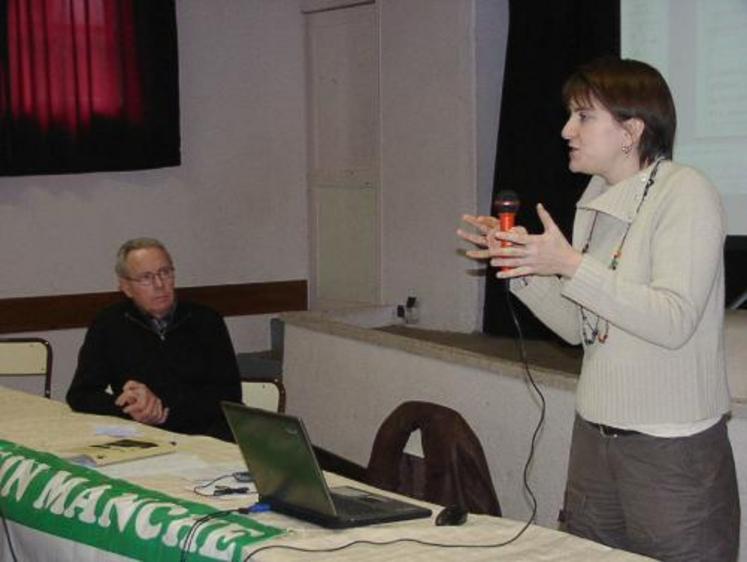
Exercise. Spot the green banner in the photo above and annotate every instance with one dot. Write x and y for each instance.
(44, 492)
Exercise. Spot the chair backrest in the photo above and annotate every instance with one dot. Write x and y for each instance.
(268, 394)
(453, 470)
(27, 357)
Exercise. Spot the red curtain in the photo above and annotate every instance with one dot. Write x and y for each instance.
(70, 61)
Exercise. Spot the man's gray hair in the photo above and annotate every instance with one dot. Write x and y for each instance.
(120, 267)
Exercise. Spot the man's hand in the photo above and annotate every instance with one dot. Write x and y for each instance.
(139, 402)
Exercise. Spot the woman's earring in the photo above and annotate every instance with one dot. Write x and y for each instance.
(626, 148)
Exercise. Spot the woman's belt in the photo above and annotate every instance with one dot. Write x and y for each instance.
(611, 431)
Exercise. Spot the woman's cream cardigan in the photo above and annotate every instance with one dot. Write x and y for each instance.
(663, 361)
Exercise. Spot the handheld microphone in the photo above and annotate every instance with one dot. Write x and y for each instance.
(505, 207)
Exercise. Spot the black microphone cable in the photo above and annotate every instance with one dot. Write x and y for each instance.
(543, 404)
(525, 475)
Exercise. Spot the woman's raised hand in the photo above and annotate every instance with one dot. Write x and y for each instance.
(548, 253)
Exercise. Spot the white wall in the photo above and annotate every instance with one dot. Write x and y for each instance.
(432, 101)
(491, 33)
(233, 212)
(428, 154)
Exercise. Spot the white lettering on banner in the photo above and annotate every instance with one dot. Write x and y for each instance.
(143, 526)
(89, 506)
(171, 536)
(55, 493)
(228, 533)
(26, 470)
(124, 505)
(86, 501)
(8, 464)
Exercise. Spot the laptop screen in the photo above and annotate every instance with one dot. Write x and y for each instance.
(278, 453)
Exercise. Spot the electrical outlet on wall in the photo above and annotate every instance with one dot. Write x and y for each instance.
(401, 311)
(412, 310)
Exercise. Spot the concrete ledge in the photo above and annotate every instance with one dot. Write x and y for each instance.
(347, 324)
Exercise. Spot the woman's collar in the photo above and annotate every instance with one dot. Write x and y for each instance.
(621, 199)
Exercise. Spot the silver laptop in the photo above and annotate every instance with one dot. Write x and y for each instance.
(278, 453)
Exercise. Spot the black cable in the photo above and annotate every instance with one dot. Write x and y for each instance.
(527, 465)
(199, 487)
(7, 535)
(385, 543)
(192, 533)
(538, 392)
(225, 490)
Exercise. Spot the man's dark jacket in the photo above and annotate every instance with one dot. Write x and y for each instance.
(191, 368)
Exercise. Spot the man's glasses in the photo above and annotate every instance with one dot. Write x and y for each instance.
(148, 279)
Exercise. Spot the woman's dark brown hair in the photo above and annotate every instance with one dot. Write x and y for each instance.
(629, 89)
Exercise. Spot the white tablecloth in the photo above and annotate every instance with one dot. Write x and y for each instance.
(50, 426)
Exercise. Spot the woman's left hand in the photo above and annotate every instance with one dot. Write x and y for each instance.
(548, 253)
(483, 225)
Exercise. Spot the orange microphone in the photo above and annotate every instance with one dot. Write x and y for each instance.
(505, 207)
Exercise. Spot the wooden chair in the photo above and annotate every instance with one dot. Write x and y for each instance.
(453, 469)
(262, 373)
(27, 357)
(268, 394)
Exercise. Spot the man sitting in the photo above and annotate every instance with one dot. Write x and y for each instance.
(153, 359)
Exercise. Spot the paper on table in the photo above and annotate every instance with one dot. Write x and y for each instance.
(117, 430)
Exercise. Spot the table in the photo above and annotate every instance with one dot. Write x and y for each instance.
(46, 425)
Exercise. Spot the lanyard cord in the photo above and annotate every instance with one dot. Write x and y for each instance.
(590, 332)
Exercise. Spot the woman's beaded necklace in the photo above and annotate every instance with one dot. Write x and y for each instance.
(599, 331)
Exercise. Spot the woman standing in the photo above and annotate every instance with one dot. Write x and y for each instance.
(642, 289)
